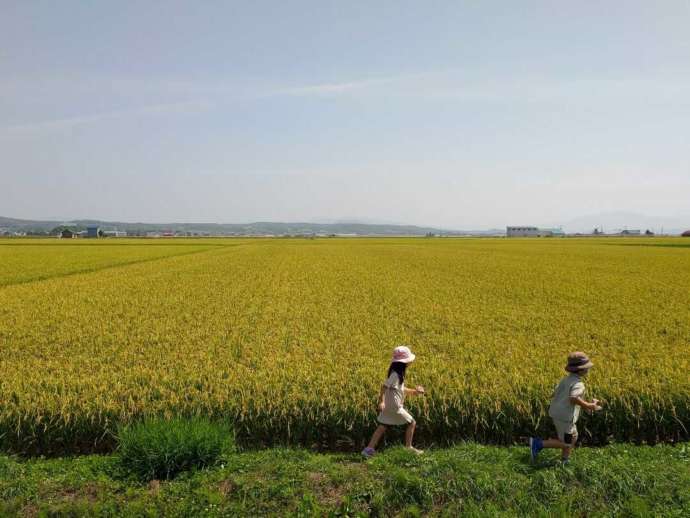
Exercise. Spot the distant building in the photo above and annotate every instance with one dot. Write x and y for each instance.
(522, 231)
(67, 234)
(627, 232)
(92, 231)
(534, 232)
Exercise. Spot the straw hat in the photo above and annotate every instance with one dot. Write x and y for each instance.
(578, 361)
(403, 354)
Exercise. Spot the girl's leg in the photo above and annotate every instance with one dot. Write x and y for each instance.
(409, 433)
(378, 433)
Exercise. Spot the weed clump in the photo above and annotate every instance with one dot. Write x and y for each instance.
(161, 449)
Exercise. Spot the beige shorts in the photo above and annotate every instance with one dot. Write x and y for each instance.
(565, 427)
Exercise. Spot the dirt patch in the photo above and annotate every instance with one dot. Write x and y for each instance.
(88, 491)
(325, 490)
(154, 487)
(226, 487)
(331, 493)
(316, 477)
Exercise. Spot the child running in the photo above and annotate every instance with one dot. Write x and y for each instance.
(565, 408)
(391, 399)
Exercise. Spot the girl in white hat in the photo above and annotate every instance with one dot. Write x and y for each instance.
(391, 399)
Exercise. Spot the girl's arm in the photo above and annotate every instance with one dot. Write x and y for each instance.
(593, 406)
(413, 392)
(382, 405)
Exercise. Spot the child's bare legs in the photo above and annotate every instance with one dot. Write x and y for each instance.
(409, 433)
(564, 445)
(570, 440)
(555, 443)
(564, 429)
(378, 433)
(381, 429)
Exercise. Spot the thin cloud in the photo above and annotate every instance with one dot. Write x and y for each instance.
(68, 123)
(364, 86)
(335, 88)
(454, 85)
(573, 91)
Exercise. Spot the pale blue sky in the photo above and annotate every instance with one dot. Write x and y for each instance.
(454, 114)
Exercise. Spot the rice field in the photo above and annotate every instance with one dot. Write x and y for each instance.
(290, 339)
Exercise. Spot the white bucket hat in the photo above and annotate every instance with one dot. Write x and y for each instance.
(403, 354)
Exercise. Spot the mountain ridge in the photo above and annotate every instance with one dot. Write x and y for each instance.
(253, 228)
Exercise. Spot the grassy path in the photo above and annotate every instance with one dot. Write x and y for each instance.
(470, 479)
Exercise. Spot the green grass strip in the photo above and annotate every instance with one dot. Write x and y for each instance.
(467, 480)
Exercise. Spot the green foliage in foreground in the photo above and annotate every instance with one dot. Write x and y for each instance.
(160, 449)
(470, 479)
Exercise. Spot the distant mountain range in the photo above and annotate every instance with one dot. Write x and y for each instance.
(242, 229)
(611, 222)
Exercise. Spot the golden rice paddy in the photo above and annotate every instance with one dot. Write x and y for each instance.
(290, 339)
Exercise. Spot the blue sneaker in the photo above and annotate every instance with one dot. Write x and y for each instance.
(565, 462)
(368, 452)
(535, 446)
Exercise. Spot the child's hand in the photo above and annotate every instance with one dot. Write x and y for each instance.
(597, 406)
(419, 389)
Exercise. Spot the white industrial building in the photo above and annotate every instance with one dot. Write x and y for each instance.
(522, 232)
(534, 232)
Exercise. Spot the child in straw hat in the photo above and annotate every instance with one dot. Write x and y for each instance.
(565, 408)
(391, 399)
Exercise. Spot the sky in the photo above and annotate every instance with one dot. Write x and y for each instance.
(450, 114)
